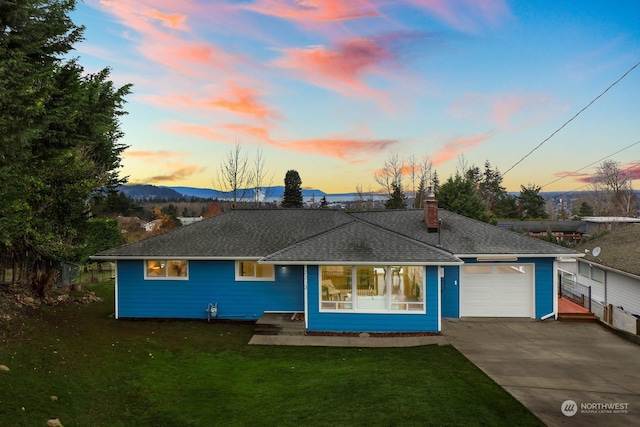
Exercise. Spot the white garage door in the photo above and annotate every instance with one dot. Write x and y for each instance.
(496, 290)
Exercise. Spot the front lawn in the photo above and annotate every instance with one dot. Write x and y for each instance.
(106, 372)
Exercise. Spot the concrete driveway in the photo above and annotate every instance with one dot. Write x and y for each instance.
(545, 364)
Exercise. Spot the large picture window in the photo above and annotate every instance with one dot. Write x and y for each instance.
(251, 270)
(372, 288)
(166, 269)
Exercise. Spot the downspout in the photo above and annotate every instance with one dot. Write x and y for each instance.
(306, 298)
(555, 292)
(115, 290)
(440, 276)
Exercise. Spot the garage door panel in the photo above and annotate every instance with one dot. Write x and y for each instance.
(496, 290)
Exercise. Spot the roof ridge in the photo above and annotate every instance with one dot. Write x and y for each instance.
(401, 234)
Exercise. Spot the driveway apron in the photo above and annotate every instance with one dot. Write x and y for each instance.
(567, 374)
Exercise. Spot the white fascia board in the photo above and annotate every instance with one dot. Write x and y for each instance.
(189, 258)
(497, 256)
(320, 262)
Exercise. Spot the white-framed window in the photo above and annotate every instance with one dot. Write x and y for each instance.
(587, 270)
(173, 269)
(380, 289)
(253, 271)
(584, 269)
(597, 274)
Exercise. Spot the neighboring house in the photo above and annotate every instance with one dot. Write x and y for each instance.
(568, 231)
(186, 220)
(385, 271)
(595, 224)
(152, 226)
(614, 274)
(130, 224)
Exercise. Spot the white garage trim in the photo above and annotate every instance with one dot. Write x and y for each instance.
(497, 290)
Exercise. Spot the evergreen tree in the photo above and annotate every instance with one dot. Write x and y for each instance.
(585, 210)
(531, 203)
(421, 196)
(398, 200)
(323, 202)
(435, 182)
(59, 128)
(459, 195)
(292, 190)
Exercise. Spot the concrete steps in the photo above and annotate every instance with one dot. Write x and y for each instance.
(577, 317)
(280, 324)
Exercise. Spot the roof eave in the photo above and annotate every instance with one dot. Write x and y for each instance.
(185, 257)
(372, 263)
(505, 256)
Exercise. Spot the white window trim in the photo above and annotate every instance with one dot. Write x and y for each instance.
(240, 278)
(352, 302)
(147, 277)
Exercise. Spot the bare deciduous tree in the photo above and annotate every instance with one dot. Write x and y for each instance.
(363, 200)
(235, 175)
(391, 173)
(259, 176)
(613, 191)
(424, 181)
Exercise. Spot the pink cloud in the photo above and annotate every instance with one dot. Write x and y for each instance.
(261, 133)
(244, 100)
(467, 15)
(315, 10)
(177, 174)
(340, 69)
(507, 111)
(161, 43)
(198, 131)
(235, 99)
(455, 147)
(154, 155)
(351, 150)
(630, 169)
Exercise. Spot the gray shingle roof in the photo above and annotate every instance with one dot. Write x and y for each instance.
(461, 235)
(620, 249)
(328, 235)
(358, 241)
(544, 226)
(235, 234)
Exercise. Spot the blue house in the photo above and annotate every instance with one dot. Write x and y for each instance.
(382, 271)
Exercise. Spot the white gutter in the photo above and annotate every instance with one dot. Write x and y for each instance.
(351, 262)
(537, 255)
(186, 257)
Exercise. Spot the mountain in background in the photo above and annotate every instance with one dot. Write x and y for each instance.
(151, 192)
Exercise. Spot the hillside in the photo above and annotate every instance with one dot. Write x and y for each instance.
(151, 192)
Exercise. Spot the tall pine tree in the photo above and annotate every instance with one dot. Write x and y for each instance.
(292, 190)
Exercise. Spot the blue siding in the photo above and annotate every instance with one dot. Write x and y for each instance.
(209, 282)
(372, 322)
(543, 293)
(451, 292)
(544, 285)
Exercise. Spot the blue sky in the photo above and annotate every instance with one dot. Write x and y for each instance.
(333, 88)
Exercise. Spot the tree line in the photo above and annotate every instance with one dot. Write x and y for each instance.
(60, 131)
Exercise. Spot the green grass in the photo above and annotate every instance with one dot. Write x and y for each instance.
(148, 373)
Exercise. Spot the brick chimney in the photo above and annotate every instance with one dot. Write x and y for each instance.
(431, 212)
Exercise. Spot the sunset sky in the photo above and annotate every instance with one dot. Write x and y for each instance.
(332, 88)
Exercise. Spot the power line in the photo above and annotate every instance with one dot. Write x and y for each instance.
(591, 164)
(572, 118)
(633, 165)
